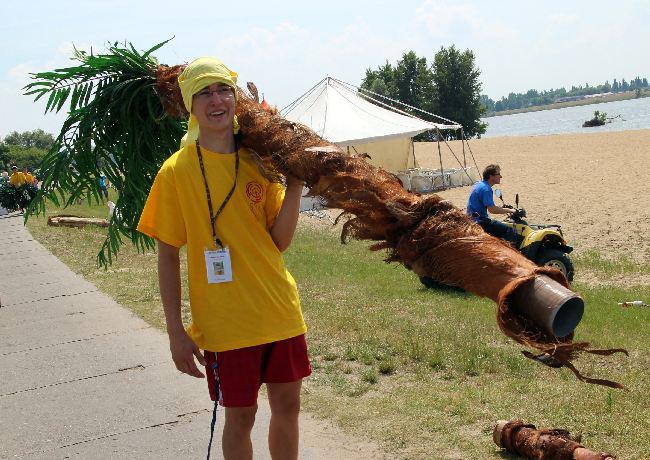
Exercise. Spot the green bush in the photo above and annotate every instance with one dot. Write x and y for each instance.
(16, 197)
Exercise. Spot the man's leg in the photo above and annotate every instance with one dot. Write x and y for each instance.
(236, 441)
(500, 230)
(284, 399)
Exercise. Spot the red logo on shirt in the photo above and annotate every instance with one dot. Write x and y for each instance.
(254, 192)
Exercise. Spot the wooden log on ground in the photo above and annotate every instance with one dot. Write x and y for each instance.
(75, 221)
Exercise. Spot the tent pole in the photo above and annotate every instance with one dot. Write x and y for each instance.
(462, 141)
(415, 160)
(442, 171)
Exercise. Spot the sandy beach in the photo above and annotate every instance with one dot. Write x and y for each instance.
(596, 186)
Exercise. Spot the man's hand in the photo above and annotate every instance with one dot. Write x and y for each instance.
(183, 352)
(294, 182)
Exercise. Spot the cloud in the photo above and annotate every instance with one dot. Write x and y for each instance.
(19, 112)
(460, 23)
(442, 18)
(286, 59)
(19, 74)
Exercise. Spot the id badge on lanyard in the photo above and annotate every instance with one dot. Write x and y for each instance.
(218, 265)
(217, 261)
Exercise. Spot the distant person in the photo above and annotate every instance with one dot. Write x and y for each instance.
(481, 201)
(103, 187)
(4, 177)
(29, 179)
(17, 178)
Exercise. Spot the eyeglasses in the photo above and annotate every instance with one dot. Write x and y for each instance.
(224, 92)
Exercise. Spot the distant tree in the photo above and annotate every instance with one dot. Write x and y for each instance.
(381, 81)
(625, 86)
(414, 82)
(533, 97)
(28, 139)
(410, 81)
(487, 103)
(458, 89)
(379, 86)
(4, 156)
(450, 87)
(30, 157)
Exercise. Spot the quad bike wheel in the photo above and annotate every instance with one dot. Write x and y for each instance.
(556, 259)
(430, 283)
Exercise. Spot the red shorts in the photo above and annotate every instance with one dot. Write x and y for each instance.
(241, 372)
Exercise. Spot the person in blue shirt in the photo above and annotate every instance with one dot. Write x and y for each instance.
(481, 202)
(102, 186)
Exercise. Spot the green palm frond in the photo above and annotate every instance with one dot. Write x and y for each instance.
(116, 125)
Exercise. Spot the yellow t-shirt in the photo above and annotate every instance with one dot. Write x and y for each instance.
(261, 304)
(17, 179)
(29, 179)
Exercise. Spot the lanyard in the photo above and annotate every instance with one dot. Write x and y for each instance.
(213, 217)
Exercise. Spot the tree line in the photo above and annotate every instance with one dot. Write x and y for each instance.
(25, 149)
(449, 86)
(533, 97)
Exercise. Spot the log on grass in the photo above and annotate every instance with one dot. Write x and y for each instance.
(75, 221)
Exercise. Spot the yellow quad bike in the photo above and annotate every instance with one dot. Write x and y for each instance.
(543, 244)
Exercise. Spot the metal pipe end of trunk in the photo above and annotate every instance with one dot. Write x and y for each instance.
(554, 308)
(498, 429)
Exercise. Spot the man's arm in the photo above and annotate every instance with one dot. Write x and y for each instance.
(499, 210)
(183, 349)
(285, 224)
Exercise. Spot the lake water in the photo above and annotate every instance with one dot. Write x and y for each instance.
(635, 114)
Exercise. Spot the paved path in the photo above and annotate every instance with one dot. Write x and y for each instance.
(81, 377)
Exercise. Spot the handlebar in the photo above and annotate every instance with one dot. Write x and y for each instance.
(518, 215)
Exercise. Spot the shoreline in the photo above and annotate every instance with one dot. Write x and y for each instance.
(562, 105)
(472, 141)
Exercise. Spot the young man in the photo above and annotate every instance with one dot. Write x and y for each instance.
(212, 197)
(481, 201)
(17, 178)
(29, 178)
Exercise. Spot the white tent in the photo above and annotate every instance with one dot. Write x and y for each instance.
(344, 115)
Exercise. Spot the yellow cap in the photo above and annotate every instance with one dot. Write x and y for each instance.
(198, 74)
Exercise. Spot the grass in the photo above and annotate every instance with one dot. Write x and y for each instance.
(594, 261)
(425, 374)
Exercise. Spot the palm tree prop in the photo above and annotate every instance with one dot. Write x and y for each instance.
(117, 125)
(124, 118)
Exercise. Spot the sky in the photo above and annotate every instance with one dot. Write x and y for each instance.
(286, 47)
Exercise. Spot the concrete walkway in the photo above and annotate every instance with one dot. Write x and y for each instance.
(82, 377)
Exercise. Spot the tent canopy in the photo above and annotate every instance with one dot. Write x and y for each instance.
(341, 114)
